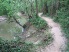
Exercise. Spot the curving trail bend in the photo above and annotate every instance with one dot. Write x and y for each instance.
(59, 41)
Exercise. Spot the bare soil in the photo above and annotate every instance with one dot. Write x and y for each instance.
(58, 44)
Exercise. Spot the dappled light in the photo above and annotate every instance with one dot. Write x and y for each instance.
(34, 25)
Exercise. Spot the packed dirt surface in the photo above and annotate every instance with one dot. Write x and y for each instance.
(2, 18)
(58, 44)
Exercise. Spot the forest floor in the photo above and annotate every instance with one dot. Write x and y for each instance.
(58, 44)
(2, 18)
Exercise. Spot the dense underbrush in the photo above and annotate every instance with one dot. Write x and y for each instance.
(63, 18)
(38, 23)
(15, 46)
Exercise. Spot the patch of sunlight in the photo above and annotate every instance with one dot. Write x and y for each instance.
(9, 30)
(22, 20)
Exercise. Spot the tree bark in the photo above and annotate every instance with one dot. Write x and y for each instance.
(17, 22)
(57, 4)
(36, 7)
(45, 8)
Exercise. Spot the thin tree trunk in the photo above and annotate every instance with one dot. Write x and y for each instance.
(57, 4)
(36, 7)
(45, 8)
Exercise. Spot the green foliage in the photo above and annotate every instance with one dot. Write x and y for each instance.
(63, 18)
(5, 7)
(38, 22)
(10, 7)
(47, 39)
(61, 14)
(15, 46)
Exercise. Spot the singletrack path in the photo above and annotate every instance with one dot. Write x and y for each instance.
(59, 41)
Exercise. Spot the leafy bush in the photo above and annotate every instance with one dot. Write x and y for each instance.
(10, 7)
(15, 46)
(38, 22)
(63, 18)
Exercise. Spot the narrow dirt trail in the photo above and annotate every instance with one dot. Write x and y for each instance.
(59, 41)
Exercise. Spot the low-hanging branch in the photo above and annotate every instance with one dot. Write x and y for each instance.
(23, 26)
(17, 22)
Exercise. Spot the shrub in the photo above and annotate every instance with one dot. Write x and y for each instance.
(15, 46)
(63, 18)
(38, 22)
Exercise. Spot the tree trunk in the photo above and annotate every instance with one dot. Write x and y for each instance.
(57, 4)
(41, 5)
(45, 8)
(36, 7)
